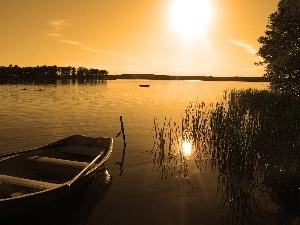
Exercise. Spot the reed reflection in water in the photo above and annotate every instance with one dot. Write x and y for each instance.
(250, 139)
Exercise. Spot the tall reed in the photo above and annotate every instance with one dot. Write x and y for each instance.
(255, 146)
(251, 139)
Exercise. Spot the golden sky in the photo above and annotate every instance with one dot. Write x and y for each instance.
(174, 37)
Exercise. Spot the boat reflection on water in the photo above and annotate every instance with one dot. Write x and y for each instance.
(75, 208)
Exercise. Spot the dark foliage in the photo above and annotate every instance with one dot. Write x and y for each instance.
(280, 50)
(49, 72)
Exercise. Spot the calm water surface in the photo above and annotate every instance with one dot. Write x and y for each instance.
(140, 193)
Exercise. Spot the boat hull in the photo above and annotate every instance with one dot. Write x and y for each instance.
(25, 190)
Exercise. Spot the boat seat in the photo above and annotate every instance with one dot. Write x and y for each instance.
(27, 182)
(63, 162)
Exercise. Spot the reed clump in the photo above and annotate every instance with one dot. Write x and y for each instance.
(255, 147)
(256, 128)
(251, 139)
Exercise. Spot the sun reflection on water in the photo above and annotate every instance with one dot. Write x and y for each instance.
(187, 148)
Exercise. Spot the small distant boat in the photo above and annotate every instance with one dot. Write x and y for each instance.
(144, 85)
(36, 177)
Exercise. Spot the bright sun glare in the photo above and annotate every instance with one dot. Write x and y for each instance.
(187, 148)
(190, 17)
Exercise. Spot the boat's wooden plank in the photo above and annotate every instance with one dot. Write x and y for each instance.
(83, 149)
(63, 162)
(27, 182)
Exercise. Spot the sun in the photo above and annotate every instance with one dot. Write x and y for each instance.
(190, 18)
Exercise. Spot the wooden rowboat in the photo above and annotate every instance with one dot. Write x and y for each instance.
(33, 178)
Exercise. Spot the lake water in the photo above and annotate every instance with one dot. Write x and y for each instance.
(141, 192)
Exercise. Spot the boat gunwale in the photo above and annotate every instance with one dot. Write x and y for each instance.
(107, 152)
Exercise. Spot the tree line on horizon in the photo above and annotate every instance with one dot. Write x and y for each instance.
(52, 72)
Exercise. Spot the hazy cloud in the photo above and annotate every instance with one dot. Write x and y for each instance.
(54, 35)
(114, 54)
(58, 24)
(87, 48)
(71, 42)
(248, 47)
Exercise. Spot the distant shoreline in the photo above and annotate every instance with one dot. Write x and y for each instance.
(202, 78)
(15, 74)
(10, 80)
